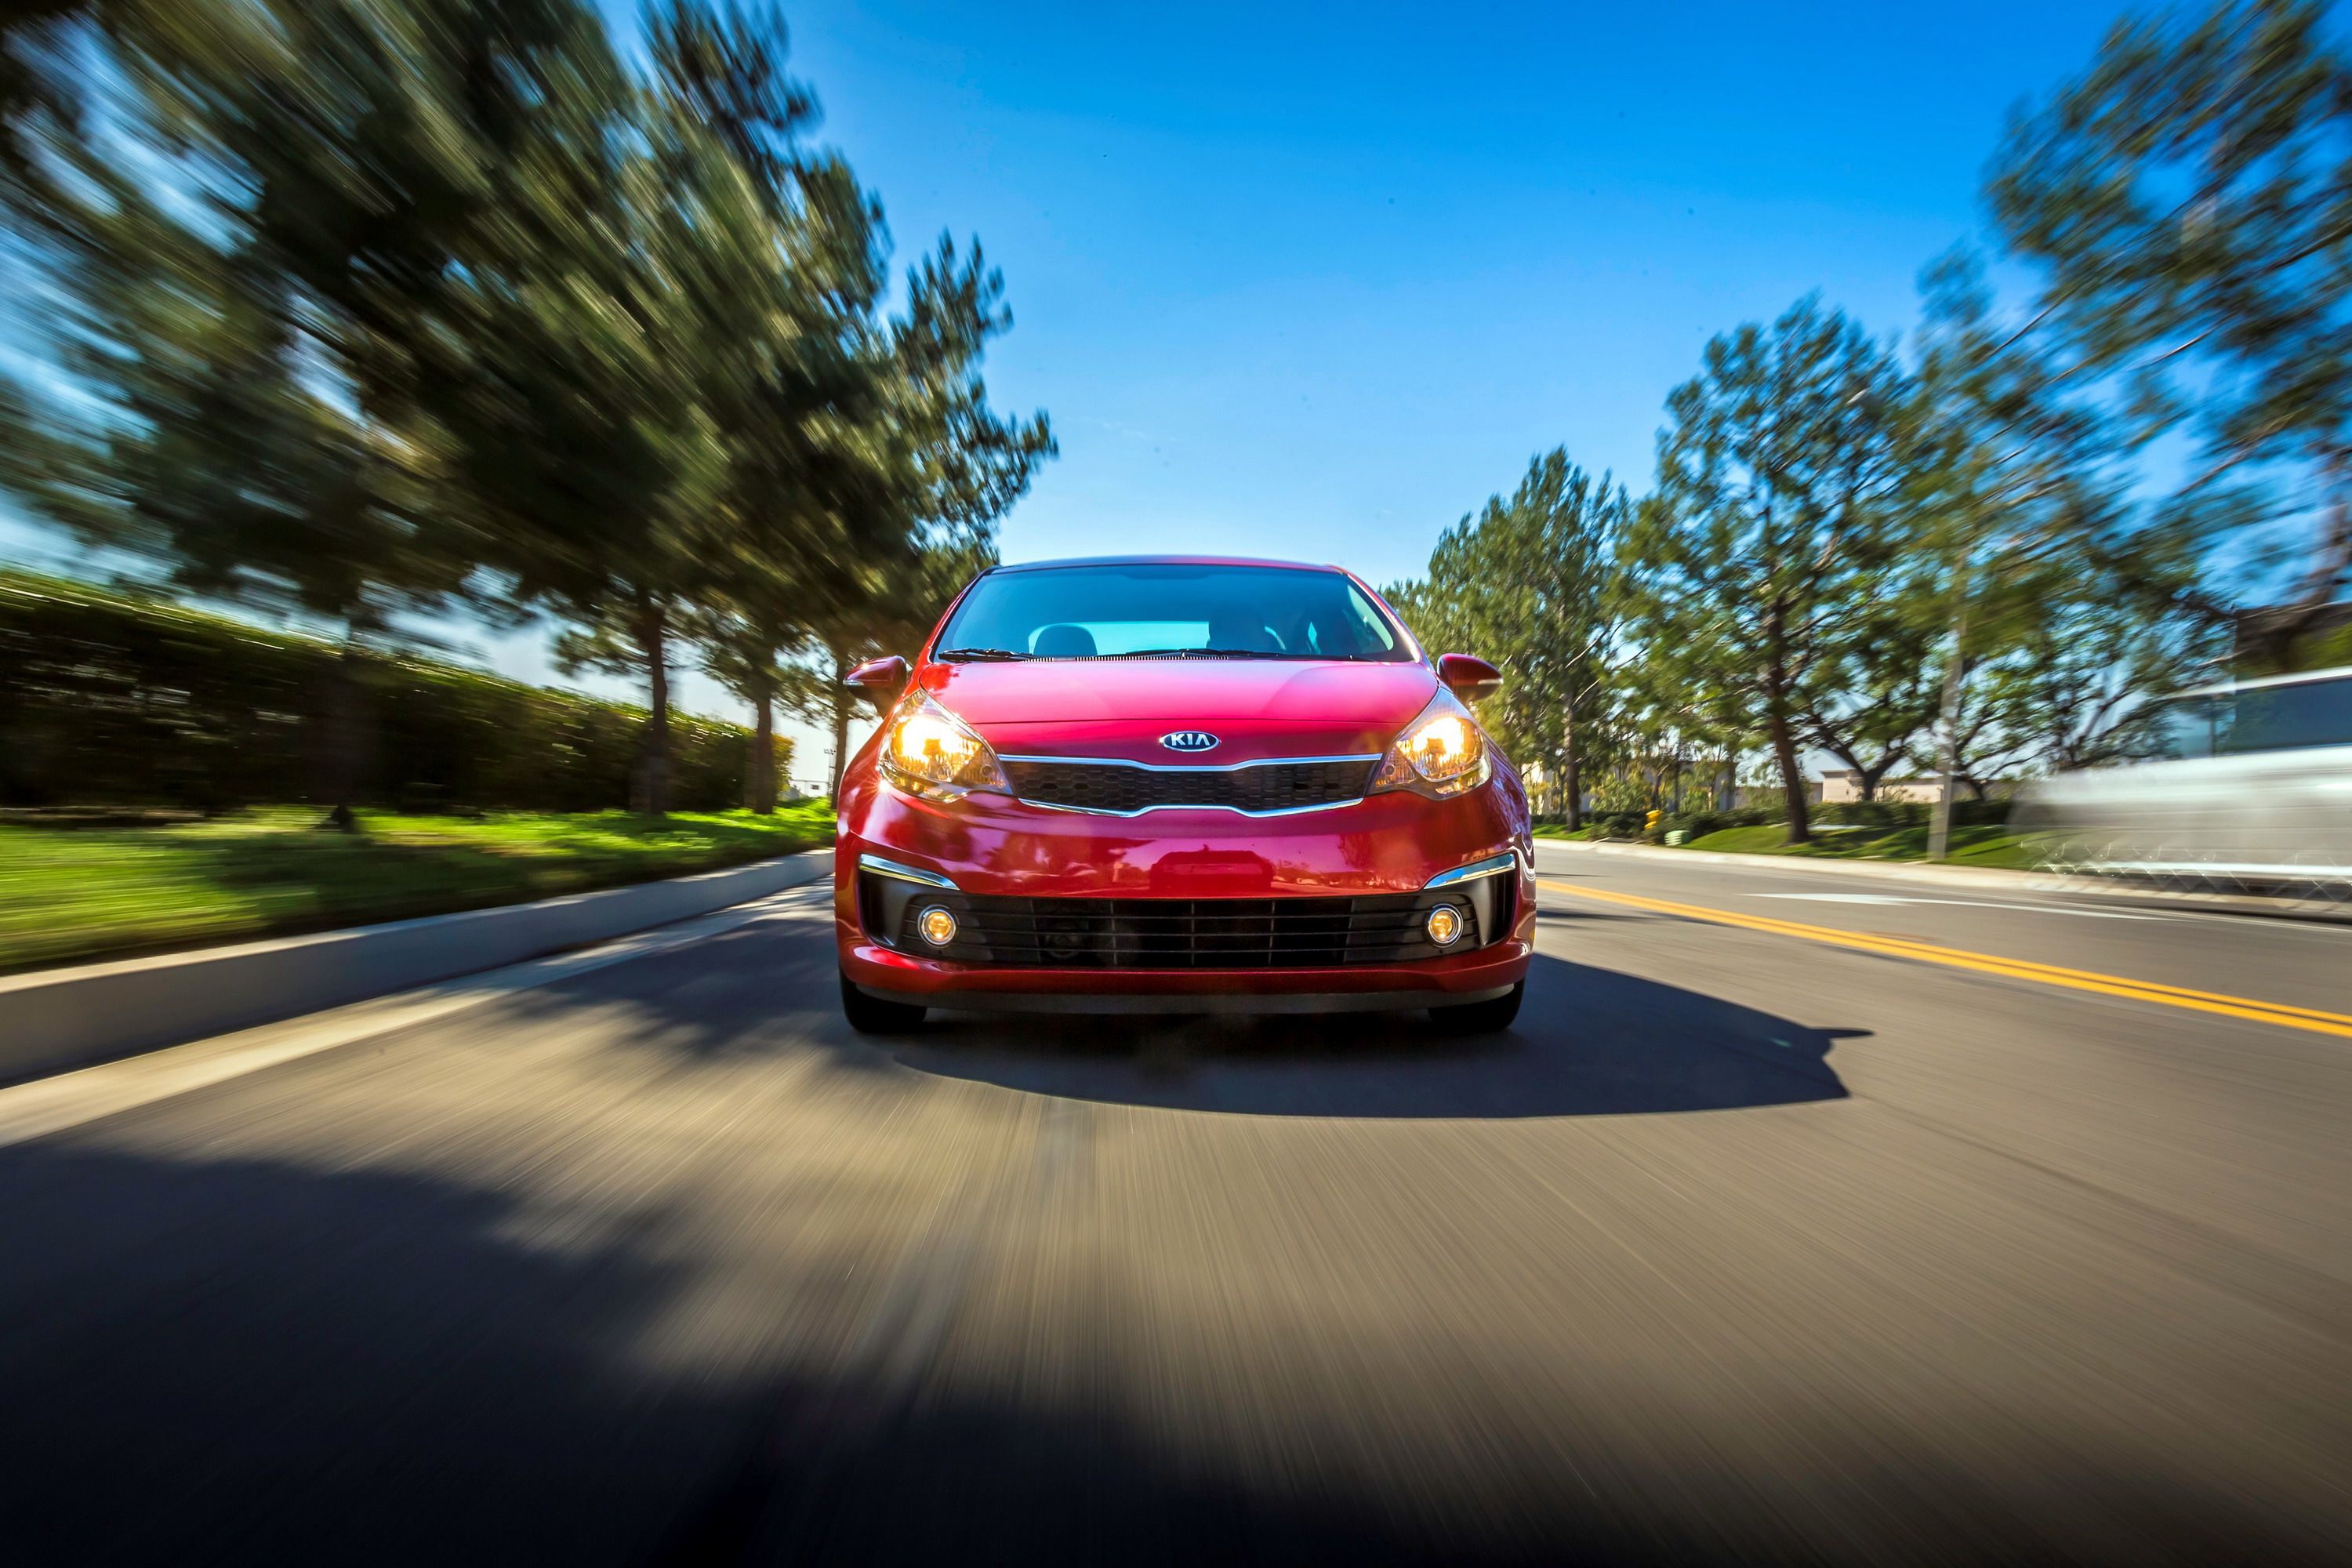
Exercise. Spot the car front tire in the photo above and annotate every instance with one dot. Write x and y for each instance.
(1491, 1016)
(873, 1015)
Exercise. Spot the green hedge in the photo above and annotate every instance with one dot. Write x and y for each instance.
(114, 700)
(1857, 814)
(1882, 814)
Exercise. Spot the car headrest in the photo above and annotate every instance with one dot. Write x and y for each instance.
(1233, 631)
(1064, 642)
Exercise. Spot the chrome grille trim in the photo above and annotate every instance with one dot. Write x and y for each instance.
(1188, 767)
(1166, 770)
(1148, 810)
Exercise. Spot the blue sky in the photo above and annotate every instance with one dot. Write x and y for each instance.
(1312, 281)
(1313, 288)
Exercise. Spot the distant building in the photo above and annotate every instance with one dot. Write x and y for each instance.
(1839, 785)
(1746, 795)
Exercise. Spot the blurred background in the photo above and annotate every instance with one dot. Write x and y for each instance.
(450, 451)
(364, 359)
(557, 335)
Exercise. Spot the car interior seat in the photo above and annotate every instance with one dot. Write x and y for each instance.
(1233, 630)
(1064, 641)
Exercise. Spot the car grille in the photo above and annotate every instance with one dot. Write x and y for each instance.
(1312, 931)
(1260, 787)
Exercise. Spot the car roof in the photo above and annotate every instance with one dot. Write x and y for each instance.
(1166, 561)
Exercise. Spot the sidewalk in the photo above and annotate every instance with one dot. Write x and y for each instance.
(69, 1017)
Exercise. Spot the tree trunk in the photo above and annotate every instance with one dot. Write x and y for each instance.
(2274, 634)
(344, 736)
(1727, 785)
(763, 753)
(1870, 778)
(2266, 643)
(652, 790)
(1571, 781)
(1940, 825)
(841, 700)
(1779, 731)
(1792, 775)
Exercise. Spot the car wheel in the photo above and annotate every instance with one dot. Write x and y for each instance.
(873, 1015)
(1491, 1016)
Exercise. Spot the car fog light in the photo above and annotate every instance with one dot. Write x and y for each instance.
(937, 924)
(1445, 925)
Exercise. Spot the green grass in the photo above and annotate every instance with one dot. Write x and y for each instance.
(74, 893)
(1983, 845)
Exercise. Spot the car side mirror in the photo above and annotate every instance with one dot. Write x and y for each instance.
(1471, 679)
(878, 680)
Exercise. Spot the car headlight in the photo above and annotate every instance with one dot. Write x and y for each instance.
(1442, 753)
(929, 752)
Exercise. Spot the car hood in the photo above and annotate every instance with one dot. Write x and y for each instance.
(1120, 708)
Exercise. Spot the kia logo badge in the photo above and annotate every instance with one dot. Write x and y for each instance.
(1189, 740)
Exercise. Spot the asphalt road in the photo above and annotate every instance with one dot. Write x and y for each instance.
(1811, 1218)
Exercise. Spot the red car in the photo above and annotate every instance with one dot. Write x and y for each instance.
(1180, 785)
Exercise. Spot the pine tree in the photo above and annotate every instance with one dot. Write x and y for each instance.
(2189, 198)
(1757, 562)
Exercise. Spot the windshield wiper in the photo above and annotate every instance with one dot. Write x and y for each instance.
(981, 656)
(1193, 653)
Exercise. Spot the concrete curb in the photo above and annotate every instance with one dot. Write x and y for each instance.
(1984, 878)
(55, 1020)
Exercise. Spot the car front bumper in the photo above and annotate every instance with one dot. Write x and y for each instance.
(992, 848)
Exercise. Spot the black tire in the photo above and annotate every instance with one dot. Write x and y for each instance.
(873, 1015)
(1491, 1016)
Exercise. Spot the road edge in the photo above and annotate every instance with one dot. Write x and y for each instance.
(60, 1019)
(1985, 878)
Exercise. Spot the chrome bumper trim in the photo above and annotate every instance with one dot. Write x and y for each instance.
(1492, 865)
(881, 868)
(1186, 806)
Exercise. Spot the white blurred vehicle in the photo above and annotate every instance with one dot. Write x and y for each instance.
(2250, 789)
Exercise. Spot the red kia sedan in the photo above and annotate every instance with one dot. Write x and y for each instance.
(1180, 785)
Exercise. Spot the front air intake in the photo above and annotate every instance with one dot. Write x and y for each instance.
(1303, 933)
(1126, 788)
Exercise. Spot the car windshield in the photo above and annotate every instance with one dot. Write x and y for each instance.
(2290, 716)
(1170, 610)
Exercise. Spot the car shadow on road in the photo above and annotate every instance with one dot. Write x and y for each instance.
(1588, 1042)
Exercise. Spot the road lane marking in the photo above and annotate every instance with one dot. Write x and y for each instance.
(1961, 903)
(2284, 1015)
(2286, 922)
(1836, 898)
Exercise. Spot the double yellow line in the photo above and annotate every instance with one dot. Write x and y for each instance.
(2279, 1013)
